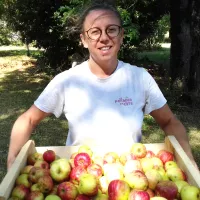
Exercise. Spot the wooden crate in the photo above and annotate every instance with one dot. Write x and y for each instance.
(170, 144)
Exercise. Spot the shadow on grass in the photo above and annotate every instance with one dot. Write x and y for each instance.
(18, 90)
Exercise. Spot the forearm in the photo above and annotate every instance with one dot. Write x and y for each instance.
(176, 128)
(20, 133)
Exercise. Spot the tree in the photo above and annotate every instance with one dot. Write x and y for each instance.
(185, 41)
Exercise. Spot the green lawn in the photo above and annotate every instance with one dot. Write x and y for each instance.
(21, 83)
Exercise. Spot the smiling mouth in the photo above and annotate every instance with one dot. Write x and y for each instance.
(105, 48)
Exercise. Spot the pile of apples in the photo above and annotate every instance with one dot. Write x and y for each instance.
(139, 174)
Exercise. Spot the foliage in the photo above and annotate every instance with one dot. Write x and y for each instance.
(52, 25)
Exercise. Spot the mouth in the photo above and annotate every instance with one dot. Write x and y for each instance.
(105, 49)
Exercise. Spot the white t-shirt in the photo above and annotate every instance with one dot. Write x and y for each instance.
(102, 110)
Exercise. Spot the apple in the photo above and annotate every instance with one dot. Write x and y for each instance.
(88, 185)
(113, 171)
(49, 156)
(165, 156)
(52, 197)
(45, 184)
(35, 195)
(162, 172)
(124, 157)
(132, 165)
(82, 197)
(190, 192)
(170, 164)
(54, 190)
(153, 177)
(26, 169)
(98, 160)
(146, 163)
(75, 174)
(150, 192)
(20, 192)
(100, 196)
(180, 184)
(139, 150)
(166, 189)
(137, 180)
(60, 169)
(138, 195)
(158, 198)
(103, 184)
(35, 187)
(110, 157)
(150, 154)
(85, 149)
(175, 174)
(67, 191)
(118, 190)
(22, 179)
(95, 169)
(42, 164)
(82, 159)
(157, 162)
(37, 172)
(32, 158)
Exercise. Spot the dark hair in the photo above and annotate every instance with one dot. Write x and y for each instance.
(93, 7)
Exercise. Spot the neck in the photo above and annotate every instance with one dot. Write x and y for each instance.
(103, 69)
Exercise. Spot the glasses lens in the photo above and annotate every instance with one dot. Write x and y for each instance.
(94, 33)
(113, 30)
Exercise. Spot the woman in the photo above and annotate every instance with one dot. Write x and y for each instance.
(103, 99)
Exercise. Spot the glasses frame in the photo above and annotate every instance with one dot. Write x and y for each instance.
(120, 28)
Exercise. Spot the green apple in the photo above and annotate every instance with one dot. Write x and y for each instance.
(190, 192)
(156, 162)
(153, 177)
(20, 191)
(146, 163)
(85, 149)
(139, 150)
(35, 187)
(170, 164)
(162, 172)
(22, 179)
(60, 169)
(175, 173)
(180, 184)
(52, 197)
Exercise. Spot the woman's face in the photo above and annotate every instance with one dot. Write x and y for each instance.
(104, 48)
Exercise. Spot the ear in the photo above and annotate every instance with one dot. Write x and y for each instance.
(83, 40)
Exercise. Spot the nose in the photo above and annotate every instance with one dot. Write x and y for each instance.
(104, 36)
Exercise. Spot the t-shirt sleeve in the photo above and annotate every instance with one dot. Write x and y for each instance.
(51, 100)
(153, 95)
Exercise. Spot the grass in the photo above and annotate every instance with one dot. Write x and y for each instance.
(20, 85)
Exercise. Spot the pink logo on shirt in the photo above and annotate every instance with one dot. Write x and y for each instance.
(124, 101)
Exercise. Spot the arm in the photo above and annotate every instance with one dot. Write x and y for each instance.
(172, 126)
(22, 130)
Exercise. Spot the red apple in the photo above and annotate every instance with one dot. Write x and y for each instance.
(82, 197)
(137, 180)
(37, 172)
(82, 159)
(118, 190)
(67, 191)
(150, 154)
(166, 189)
(36, 195)
(95, 169)
(45, 184)
(175, 173)
(165, 156)
(139, 150)
(110, 157)
(32, 158)
(88, 185)
(150, 192)
(20, 191)
(49, 156)
(42, 164)
(138, 195)
(75, 174)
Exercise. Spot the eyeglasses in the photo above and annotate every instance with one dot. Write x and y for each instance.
(111, 31)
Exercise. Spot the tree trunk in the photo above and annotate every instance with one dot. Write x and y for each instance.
(180, 41)
(27, 47)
